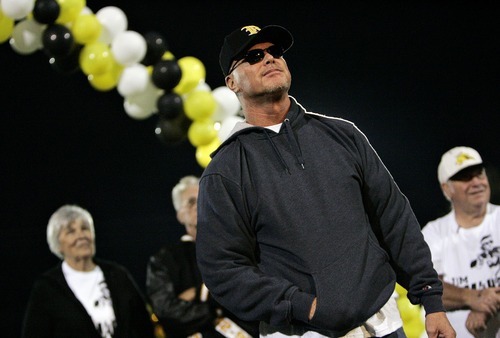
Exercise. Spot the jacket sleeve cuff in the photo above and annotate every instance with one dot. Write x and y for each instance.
(432, 303)
(301, 305)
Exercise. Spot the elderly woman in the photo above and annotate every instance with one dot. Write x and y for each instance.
(83, 296)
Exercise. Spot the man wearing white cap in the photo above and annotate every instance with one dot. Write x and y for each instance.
(465, 245)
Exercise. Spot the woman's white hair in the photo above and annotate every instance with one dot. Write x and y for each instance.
(184, 183)
(61, 219)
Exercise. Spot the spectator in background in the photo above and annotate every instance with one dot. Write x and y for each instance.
(174, 285)
(465, 245)
(83, 296)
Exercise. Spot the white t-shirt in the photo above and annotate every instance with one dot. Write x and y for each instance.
(275, 127)
(467, 258)
(92, 291)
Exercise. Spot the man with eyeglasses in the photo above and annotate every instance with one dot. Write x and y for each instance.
(174, 285)
(465, 245)
(300, 225)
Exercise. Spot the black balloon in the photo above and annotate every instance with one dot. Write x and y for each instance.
(46, 11)
(156, 47)
(172, 132)
(169, 105)
(57, 40)
(166, 74)
(68, 64)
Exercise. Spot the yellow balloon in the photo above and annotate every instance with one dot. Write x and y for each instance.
(86, 28)
(203, 152)
(414, 328)
(69, 10)
(168, 56)
(202, 132)
(96, 58)
(6, 27)
(106, 81)
(199, 105)
(407, 310)
(193, 72)
(401, 291)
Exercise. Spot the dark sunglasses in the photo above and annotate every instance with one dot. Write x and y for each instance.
(257, 55)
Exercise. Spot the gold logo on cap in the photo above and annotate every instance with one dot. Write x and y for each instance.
(251, 30)
(462, 157)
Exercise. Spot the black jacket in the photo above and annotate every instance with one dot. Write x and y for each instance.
(310, 211)
(54, 311)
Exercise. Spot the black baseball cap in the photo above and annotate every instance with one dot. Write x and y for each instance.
(237, 43)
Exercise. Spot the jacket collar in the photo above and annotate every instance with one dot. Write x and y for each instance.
(293, 116)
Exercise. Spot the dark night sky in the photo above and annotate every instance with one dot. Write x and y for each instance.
(418, 78)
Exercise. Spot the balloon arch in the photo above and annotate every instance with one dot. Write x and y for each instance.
(140, 67)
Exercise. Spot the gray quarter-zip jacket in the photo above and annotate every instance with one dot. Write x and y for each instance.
(310, 211)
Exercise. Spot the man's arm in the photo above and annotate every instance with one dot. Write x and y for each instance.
(170, 308)
(455, 298)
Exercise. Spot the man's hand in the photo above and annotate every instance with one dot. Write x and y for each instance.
(476, 322)
(437, 325)
(188, 295)
(313, 309)
(488, 301)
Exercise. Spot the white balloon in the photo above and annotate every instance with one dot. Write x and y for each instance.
(113, 21)
(203, 86)
(134, 107)
(134, 80)
(27, 36)
(128, 47)
(86, 10)
(17, 9)
(227, 125)
(227, 103)
(143, 105)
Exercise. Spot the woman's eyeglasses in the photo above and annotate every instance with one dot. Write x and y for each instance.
(257, 55)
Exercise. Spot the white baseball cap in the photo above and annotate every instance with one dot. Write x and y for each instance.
(455, 160)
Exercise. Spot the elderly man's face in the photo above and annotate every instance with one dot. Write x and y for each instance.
(470, 189)
(188, 213)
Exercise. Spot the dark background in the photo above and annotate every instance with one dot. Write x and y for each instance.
(417, 77)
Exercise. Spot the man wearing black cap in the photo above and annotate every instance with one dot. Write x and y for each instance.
(465, 245)
(300, 225)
